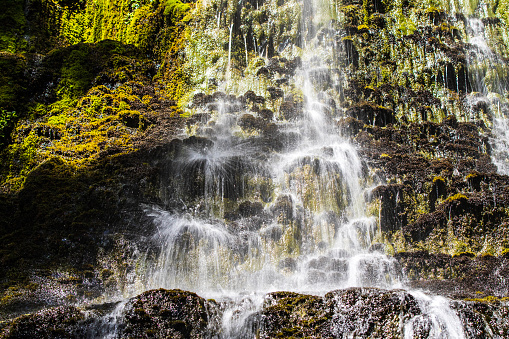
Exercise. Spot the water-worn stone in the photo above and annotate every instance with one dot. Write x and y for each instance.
(166, 313)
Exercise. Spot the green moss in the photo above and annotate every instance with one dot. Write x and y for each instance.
(76, 73)
(438, 179)
(464, 254)
(457, 196)
(489, 299)
(505, 252)
(12, 26)
(7, 120)
(12, 81)
(176, 9)
(58, 120)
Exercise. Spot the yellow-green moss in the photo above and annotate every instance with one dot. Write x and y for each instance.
(438, 178)
(489, 299)
(457, 196)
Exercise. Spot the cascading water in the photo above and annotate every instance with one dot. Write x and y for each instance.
(315, 234)
(258, 203)
(489, 84)
(437, 321)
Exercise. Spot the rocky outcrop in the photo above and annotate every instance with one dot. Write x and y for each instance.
(359, 312)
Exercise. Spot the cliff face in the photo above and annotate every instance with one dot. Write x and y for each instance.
(95, 93)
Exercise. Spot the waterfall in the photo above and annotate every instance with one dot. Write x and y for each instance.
(313, 234)
(266, 195)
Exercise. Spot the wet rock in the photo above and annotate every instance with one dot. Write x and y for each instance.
(249, 208)
(290, 110)
(460, 276)
(263, 71)
(372, 114)
(198, 118)
(275, 93)
(377, 248)
(284, 207)
(59, 322)
(350, 126)
(200, 142)
(320, 77)
(281, 81)
(287, 314)
(49, 132)
(250, 96)
(289, 264)
(133, 119)
(166, 313)
(370, 312)
(202, 99)
(220, 96)
(248, 121)
(273, 232)
(392, 206)
(424, 225)
(266, 114)
(438, 190)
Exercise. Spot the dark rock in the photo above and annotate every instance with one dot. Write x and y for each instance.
(248, 208)
(392, 207)
(275, 93)
(372, 114)
(201, 99)
(438, 190)
(370, 312)
(166, 313)
(263, 71)
(248, 121)
(426, 223)
(59, 322)
(290, 110)
(266, 114)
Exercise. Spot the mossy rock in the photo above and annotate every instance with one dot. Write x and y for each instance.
(168, 313)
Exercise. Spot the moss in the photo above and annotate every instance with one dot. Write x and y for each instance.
(13, 82)
(505, 253)
(464, 254)
(12, 26)
(457, 197)
(362, 28)
(76, 73)
(438, 179)
(176, 9)
(489, 299)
